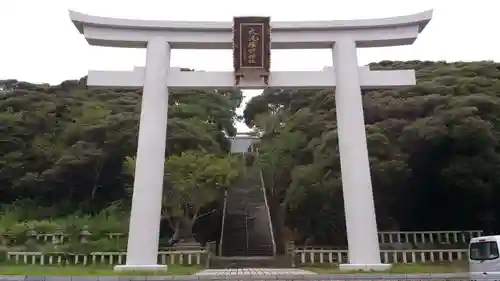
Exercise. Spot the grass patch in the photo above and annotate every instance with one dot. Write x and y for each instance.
(71, 270)
(399, 268)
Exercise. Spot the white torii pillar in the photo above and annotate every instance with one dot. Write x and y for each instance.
(346, 77)
(361, 223)
(143, 237)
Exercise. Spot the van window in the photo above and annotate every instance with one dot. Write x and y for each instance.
(483, 250)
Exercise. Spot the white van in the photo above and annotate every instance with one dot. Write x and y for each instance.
(484, 259)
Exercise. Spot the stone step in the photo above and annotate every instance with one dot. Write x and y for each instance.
(251, 262)
(242, 226)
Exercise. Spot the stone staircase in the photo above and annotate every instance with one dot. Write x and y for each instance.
(251, 262)
(247, 239)
(246, 225)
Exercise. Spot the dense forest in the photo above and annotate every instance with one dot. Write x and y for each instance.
(66, 153)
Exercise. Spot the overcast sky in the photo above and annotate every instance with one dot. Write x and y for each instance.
(39, 44)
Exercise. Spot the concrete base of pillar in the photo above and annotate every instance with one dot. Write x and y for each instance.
(365, 267)
(152, 267)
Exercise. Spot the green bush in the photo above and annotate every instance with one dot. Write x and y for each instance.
(15, 222)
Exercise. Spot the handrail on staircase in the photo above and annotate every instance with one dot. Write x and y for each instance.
(223, 222)
(246, 224)
(267, 205)
(221, 241)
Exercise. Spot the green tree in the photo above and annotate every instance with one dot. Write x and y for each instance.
(64, 145)
(433, 151)
(193, 180)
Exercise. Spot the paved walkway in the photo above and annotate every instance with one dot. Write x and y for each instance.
(252, 274)
(253, 271)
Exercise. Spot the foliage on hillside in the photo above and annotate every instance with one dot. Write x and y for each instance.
(433, 148)
(62, 148)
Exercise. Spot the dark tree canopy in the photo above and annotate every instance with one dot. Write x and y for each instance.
(434, 150)
(65, 145)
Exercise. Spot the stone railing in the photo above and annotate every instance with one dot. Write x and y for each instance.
(63, 237)
(385, 237)
(428, 237)
(58, 238)
(319, 256)
(193, 257)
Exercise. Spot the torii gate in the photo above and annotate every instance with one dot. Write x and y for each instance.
(157, 78)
